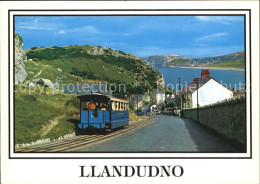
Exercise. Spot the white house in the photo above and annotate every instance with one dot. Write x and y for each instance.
(160, 97)
(208, 91)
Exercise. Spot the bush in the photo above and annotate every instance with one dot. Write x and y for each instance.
(73, 102)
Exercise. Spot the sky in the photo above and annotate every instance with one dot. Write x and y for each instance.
(191, 36)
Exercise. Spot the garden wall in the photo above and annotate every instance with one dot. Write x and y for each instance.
(227, 118)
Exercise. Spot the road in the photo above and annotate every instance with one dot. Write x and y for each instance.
(166, 134)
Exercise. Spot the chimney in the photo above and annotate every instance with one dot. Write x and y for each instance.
(195, 80)
(205, 73)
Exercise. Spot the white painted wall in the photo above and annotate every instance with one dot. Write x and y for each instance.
(160, 97)
(211, 92)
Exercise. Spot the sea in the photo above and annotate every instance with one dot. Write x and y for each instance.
(229, 78)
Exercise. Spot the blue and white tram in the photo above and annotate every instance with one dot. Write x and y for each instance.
(100, 112)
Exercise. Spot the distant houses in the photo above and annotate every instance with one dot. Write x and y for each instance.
(204, 91)
(160, 97)
(136, 101)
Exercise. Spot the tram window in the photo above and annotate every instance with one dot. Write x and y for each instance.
(115, 105)
(103, 106)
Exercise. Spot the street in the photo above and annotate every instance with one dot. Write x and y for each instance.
(166, 134)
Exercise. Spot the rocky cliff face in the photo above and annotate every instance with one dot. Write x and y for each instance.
(20, 59)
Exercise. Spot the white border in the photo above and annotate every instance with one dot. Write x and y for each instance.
(130, 155)
(201, 171)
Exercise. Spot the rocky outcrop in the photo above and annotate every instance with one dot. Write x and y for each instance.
(45, 82)
(105, 50)
(20, 59)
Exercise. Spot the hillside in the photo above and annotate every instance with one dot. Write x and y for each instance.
(44, 113)
(233, 60)
(166, 60)
(73, 64)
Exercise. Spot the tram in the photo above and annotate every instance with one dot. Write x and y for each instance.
(101, 111)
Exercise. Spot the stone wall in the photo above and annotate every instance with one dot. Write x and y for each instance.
(227, 118)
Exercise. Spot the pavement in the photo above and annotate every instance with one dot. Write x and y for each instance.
(166, 134)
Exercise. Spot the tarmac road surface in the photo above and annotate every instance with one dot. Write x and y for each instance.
(166, 134)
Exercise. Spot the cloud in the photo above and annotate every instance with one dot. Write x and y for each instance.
(220, 19)
(88, 28)
(34, 27)
(61, 32)
(210, 37)
(35, 24)
(91, 29)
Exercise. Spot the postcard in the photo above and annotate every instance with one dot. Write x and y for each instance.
(96, 92)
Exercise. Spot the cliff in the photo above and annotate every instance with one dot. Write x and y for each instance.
(20, 59)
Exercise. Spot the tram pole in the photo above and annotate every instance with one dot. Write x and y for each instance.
(180, 93)
(198, 101)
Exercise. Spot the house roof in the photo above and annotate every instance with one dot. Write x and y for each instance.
(193, 86)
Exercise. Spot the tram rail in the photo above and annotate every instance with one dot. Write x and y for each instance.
(75, 143)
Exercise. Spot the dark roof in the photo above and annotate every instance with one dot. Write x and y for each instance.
(99, 97)
(193, 86)
(94, 97)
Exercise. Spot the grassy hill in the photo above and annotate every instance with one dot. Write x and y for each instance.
(89, 63)
(42, 114)
(230, 64)
(233, 60)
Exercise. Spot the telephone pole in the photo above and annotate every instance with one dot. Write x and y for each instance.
(198, 101)
(180, 93)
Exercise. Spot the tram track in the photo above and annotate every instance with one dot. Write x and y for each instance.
(74, 143)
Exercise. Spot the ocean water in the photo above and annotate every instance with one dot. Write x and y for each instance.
(229, 78)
